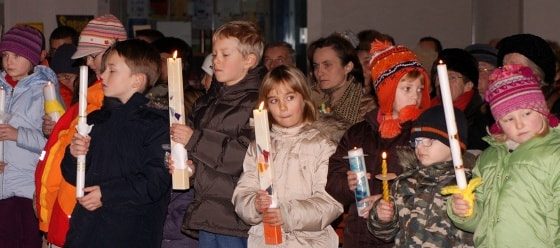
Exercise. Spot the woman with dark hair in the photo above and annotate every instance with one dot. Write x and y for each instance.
(336, 71)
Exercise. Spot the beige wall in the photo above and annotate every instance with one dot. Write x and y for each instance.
(456, 23)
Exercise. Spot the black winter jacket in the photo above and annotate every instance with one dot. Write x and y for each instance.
(126, 160)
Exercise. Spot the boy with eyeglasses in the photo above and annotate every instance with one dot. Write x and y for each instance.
(416, 213)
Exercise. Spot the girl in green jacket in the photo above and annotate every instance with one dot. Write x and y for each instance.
(518, 203)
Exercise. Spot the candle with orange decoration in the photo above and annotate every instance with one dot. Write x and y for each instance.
(272, 234)
(180, 176)
(385, 177)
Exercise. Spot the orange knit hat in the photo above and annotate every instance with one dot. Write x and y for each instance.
(388, 65)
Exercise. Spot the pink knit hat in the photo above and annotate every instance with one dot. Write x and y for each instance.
(99, 34)
(514, 87)
(24, 41)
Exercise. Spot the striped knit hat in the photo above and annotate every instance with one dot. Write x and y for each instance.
(388, 65)
(24, 41)
(514, 87)
(98, 35)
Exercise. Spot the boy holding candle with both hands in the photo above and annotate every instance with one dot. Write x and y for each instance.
(127, 183)
(402, 88)
(218, 133)
(416, 213)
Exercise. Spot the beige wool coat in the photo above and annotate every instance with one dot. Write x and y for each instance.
(300, 161)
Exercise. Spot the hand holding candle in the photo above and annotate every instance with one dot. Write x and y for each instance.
(273, 234)
(385, 177)
(451, 125)
(53, 108)
(358, 166)
(180, 176)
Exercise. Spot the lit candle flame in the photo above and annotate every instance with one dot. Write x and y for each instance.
(440, 62)
(261, 106)
(384, 155)
(175, 54)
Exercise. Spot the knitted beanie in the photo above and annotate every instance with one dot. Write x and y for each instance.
(460, 61)
(514, 87)
(99, 34)
(24, 41)
(61, 61)
(534, 48)
(388, 65)
(431, 124)
(484, 53)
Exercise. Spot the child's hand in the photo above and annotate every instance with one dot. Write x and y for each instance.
(92, 200)
(171, 168)
(353, 179)
(459, 206)
(79, 145)
(2, 166)
(385, 210)
(48, 125)
(180, 133)
(7, 132)
(262, 201)
(273, 217)
(369, 200)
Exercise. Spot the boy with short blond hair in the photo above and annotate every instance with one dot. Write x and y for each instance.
(218, 133)
(127, 183)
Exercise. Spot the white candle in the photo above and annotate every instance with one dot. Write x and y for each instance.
(358, 166)
(179, 154)
(273, 234)
(82, 107)
(50, 96)
(2, 116)
(83, 129)
(451, 125)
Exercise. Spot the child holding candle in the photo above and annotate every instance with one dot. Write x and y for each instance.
(401, 85)
(218, 133)
(127, 183)
(517, 203)
(56, 198)
(23, 80)
(298, 158)
(417, 189)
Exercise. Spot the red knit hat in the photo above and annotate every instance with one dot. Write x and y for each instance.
(388, 65)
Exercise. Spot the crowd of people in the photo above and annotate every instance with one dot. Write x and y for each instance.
(361, 91)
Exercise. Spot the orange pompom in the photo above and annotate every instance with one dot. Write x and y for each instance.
(389, 128)
(409, 113)
(378, 45)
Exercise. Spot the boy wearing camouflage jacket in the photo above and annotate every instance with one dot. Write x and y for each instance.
(416, 215)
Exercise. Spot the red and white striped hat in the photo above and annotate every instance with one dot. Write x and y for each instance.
(99, 34)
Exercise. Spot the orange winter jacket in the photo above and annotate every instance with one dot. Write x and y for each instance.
(56, 198)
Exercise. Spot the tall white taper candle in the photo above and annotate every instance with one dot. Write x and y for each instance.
(451, 125)
(83, 129)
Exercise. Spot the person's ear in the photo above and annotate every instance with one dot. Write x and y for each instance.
(139, 80)
(349, 67)
(250, 61)
(468, 86)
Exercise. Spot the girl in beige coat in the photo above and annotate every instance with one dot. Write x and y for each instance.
(299, 158)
